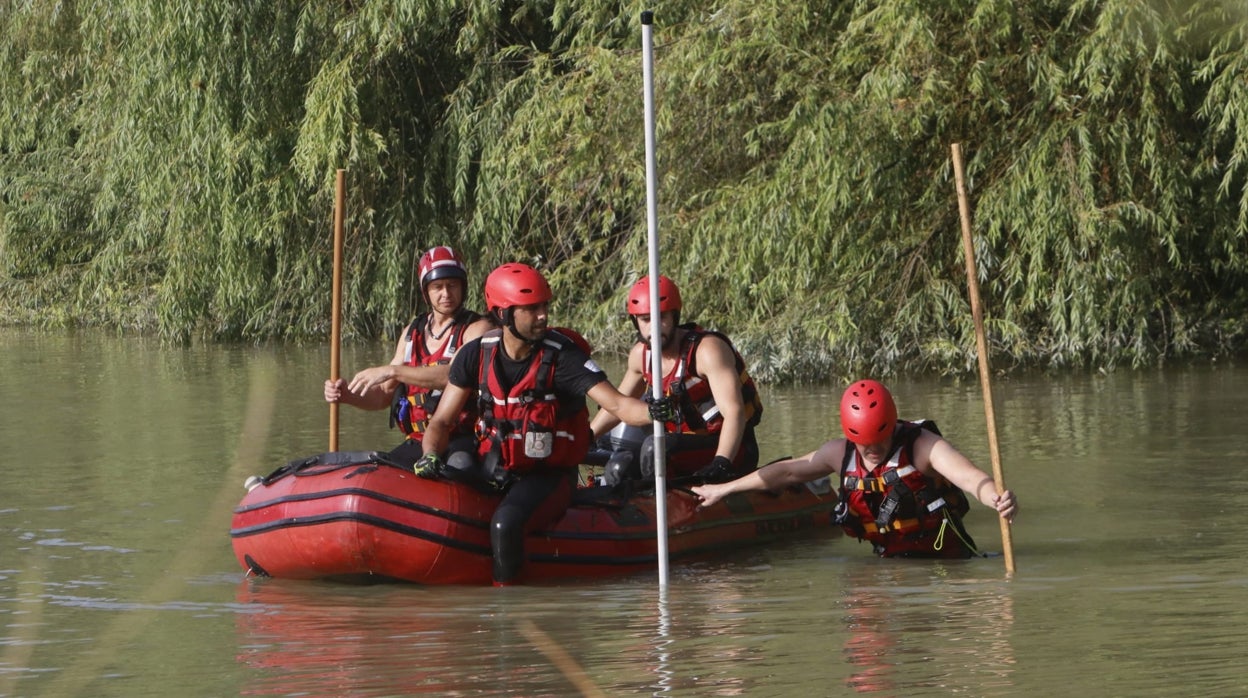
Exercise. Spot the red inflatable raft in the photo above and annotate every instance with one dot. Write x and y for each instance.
(350, 515)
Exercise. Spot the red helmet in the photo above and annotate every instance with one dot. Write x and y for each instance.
(441, 263)
(639, 297)
(868, 413)
(515, 284)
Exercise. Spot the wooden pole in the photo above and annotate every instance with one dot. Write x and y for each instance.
(563, 661)
(981, 342)
(335, 340)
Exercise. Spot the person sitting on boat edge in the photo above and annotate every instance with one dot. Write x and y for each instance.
(717, 404)
(529, 385)
(412, 383)
(901, 483)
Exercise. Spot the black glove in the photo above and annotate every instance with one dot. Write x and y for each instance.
(429, 466)
(720, 470)
(662, 409)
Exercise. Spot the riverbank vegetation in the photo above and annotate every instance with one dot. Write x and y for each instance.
(168, 166)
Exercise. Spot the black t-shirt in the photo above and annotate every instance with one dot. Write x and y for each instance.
(575, 372)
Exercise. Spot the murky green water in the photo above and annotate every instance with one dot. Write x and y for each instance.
(123, 460)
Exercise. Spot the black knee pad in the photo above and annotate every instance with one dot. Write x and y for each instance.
(507, 540)
(462, 461)
(646, 458)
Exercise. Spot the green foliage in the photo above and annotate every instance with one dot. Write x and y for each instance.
(169, 167)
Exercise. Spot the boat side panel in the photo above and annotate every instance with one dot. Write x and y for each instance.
(371, 520)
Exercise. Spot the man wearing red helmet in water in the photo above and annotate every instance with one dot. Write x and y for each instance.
(717, 404)
(901, 483)
(528, 384)
(411, 384)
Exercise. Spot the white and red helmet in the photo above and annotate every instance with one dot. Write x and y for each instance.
(441, 262)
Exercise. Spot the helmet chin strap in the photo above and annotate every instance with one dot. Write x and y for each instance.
(508, 320)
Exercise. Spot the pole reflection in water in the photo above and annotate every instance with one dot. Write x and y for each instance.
(662, 642)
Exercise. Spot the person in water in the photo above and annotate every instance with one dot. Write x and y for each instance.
(900, 483)
(717, 404)
(528, 385)
(412, 383)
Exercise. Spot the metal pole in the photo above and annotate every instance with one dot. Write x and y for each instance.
(656, 317)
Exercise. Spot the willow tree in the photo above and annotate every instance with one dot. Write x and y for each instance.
(806, 193)
(168, 165)
(175, 160)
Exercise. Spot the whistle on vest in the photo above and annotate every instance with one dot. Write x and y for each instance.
(538, 444)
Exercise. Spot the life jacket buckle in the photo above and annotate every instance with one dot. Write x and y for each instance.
(888, 508)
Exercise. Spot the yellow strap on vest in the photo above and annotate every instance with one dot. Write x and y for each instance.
(868, 484)
(898, 525)
(877, 484)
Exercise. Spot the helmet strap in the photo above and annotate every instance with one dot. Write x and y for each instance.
(511, 327)
(501, 316)
(506, 317)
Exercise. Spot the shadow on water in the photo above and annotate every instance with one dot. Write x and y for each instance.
(169, 587)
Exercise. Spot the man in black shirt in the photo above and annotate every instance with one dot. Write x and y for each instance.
(530, 386)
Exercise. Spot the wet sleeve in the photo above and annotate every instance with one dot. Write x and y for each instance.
(463, 372)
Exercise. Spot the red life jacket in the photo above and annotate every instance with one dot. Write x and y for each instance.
(526, 423)
(413, 405)
(899, 509)
(696, 411)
